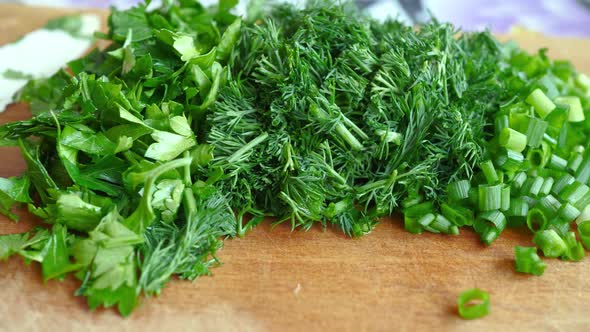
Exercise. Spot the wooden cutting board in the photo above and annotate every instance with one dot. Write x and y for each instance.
(273, 280)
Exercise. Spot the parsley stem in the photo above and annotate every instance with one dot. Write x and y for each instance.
(187, 170)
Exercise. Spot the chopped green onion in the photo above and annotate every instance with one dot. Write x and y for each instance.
(546, 187)
(535, 131)
(426, 220)
(502, 176)
(489, 225)
(527, 261)
(538, 157)
(506, 177)
(542, 104)
(532, 67)
(458, 215)
(443, 225)
(532, 186)
(561, 183)
(489, 172)
(557, 163)
(548, 172)
(559, 225)
(518, 181)
(518, 117)
(549, 140)
(459, 190)
(557, 120)
(584, 231)
(515, 222)
(411, 225)
(473, 196)
(530, 201)
(583, 202)
(536, 220)
(518, 208)
(419, 210)
(505, 199)
(562, 138)
(568, 212)
(562, 69)
(550, 243)
(574, 162)
(576, 113)
(501, 122)
(509, 160)
(579, 149)
(575, 250)
(517, 212)
(412, 200)
(473, 303)
(584, 215)
(489, 197)
(512, 140)
(583, 172)
(574, 192)
(583, 82)
(549, 205)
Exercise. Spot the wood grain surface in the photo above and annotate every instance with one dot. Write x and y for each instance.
(276, 280)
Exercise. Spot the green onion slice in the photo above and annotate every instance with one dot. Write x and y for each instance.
(575, 250)
(584, 231)
(512, 140)
(574, 162)
(582, 174)
(473, 303)
(568, 212)
(489, 225)
(519, 180)
(489, 171)
(527, 261)
(546, 187)
(535, 131)
(459, 190)
(550, 243)
(561, 183)
(557, 163)
(576, 113)
(490, 197)
(542, 104)
(458, 215)
(536, 220)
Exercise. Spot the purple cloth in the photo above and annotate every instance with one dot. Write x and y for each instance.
(552, 17)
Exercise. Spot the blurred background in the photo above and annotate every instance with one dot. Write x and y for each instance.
(552, 17)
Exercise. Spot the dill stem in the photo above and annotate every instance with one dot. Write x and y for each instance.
(247, 147)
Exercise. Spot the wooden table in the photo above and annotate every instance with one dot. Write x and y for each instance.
(316, 280)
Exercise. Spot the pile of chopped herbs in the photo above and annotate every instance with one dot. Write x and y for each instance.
(194, 125)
